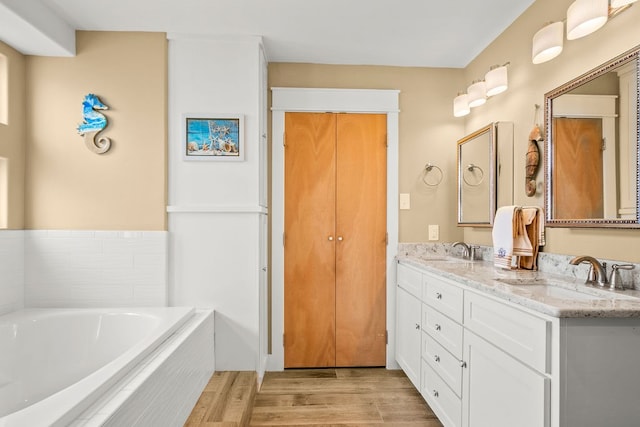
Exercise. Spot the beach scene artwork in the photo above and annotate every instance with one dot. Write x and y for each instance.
(213, 137)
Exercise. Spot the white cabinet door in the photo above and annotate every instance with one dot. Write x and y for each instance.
(501, 391)
(408, 334)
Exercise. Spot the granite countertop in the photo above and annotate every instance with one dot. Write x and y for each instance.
(546, 293)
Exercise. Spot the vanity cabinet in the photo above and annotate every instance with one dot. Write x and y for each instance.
(442, 349)
(408, 318)
(484, 361)
(506, 352)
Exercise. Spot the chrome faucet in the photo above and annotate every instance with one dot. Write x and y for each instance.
(598, 272)
(469, 251)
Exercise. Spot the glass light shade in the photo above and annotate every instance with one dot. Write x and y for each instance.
(620, 3)
(586, 16)
(477, 93)
(496, 80)
(547, 43)
(461, 105)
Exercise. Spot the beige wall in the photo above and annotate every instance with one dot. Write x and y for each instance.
(13, 138)
(428, 132)
(68, 186)
(528, 84)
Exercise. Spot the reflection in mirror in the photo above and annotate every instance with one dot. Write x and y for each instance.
(476, 177)
(591, 153)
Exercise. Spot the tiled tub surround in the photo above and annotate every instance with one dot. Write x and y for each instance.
(78, 268)
(555, 269)
(11, 270)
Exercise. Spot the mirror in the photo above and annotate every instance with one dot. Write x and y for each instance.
(591, 149)
(476, 177)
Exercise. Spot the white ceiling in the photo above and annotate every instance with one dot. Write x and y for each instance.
(430, 33)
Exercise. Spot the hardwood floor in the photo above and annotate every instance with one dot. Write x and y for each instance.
(315, 397)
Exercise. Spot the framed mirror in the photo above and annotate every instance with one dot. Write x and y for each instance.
(591, 148)
(476, 178)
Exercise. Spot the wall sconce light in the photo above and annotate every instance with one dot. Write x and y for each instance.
(461, 105)
(547, 42)
(477, 93)
(620, 3)
(496, 80)
(586, 16)
(583, 18)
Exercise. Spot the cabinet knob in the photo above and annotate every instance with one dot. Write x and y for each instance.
(435, 393)
(417, 326)
(438, 327)
(436, 358)
(339, 238)
(331, 238)
(438, 295)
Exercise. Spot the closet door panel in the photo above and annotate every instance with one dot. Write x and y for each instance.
(309, 250)
(361, 226)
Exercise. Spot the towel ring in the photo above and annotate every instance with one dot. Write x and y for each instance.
(428, 168)
(471, 168)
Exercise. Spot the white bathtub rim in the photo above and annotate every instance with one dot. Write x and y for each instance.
(112, 401)
(64, 406)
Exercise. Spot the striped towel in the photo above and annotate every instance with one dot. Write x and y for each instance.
(504, 224)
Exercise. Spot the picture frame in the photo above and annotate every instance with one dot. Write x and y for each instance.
(213, 137)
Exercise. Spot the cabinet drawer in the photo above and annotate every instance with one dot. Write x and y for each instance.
(443, 296)
(409, 279)
(444, 330)
(523, 335)
(444, 402)
(444, 363)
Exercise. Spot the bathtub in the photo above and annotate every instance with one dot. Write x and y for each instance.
(61, 367)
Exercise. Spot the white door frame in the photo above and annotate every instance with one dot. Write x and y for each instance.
(329, 100)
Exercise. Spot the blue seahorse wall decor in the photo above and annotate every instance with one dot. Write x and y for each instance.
(93, 122)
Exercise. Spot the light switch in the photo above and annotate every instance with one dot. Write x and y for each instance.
(434, 232)
(405, 201)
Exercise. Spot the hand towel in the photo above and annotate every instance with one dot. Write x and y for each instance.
(503, 236)
(533, 221)
(522, 246)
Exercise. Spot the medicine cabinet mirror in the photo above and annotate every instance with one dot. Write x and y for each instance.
(591, 151)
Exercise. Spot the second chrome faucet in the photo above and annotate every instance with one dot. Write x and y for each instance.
(598, 271)
(469, 251)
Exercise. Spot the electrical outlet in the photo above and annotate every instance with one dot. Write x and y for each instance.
(405, 201)
(434, 232)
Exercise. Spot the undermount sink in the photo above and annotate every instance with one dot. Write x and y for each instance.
(564, 293)
(543, 288)
(445, 259)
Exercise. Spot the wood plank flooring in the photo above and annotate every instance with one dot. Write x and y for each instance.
(314, 397)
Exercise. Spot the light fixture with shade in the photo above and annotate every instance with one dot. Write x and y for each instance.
(620, 3)
(461, 105)
(548, 42)
(477, 93)
(586, 16)
(496, 80)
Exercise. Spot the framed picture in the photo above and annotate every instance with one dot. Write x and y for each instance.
(213, 137)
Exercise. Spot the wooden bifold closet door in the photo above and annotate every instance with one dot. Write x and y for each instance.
(335, 240)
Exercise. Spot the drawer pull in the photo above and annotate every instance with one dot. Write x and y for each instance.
(435, 393)
(436, 358)
(417, 326)
(438, 327)
(463, 364)
(438, 295)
